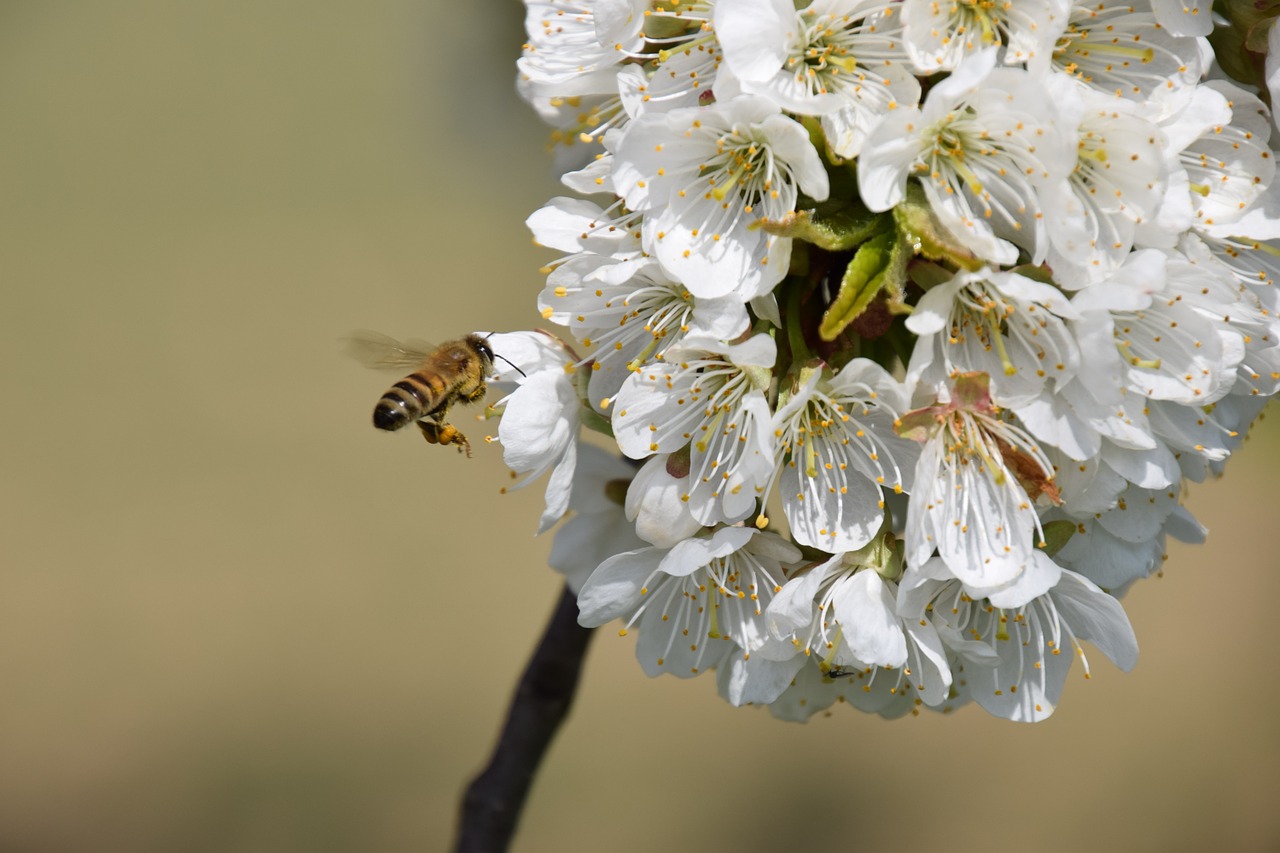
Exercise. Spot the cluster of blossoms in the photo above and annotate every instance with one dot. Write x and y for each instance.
(911, 320)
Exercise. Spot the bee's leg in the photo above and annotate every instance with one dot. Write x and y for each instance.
(433, 424)
(443, 434)
(476, 395)
(430, 431)
(449, 434)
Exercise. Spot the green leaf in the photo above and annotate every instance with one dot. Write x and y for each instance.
(894, 285)
(1229, 48)
(1247, 14)
(926, 235)
(880, 264)
(835, 232)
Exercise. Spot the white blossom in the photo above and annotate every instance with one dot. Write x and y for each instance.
(577, 225)
(969, 500)
(837, 452)
(706, 178)
(598, 529)
(1118, 182)
(1170, 350)
(985, 144)
(705, 396)
(1002, 324)
(844, 615)
(657, 501)
(1124, 51)
(982, 343)
(684, 76)
(1015, 656)
(693, 602)
(628, 313)
(539, 427)
(842, 60)
(939, 36)
(1228, 164)
(1185, 17)
(812, 691)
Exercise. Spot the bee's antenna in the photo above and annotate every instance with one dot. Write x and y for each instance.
(507, 360)
(513, 366)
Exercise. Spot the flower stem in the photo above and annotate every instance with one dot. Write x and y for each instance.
(492, 802)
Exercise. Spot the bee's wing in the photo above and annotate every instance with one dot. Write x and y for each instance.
(381, 352)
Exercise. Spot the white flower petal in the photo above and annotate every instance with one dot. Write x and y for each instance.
(655, 504)
(615, 586)
(865, 607)
(1097, 617)
(692, 554)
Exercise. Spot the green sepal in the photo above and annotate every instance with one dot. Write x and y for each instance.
(884, 554)
(797, 379)
(835, 232)
(759, 377)
(927, 274)
(1035, 273)
(1057, 534)
(591, 419)
(809, 554)
(927, 236)
(880, 264)
(817, 136)
(660, 27)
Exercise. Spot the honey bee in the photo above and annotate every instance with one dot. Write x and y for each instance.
(452, 372)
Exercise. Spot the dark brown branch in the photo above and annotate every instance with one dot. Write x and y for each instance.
(492, 803)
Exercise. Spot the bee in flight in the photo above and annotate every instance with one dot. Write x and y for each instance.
(454, 371)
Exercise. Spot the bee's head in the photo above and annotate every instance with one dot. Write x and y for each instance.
(486, 352)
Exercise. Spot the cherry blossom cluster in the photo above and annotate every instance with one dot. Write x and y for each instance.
(912, 321)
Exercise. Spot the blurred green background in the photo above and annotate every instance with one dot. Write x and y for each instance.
(233, 617)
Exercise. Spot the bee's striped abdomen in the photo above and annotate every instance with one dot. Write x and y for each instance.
(411, 398)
